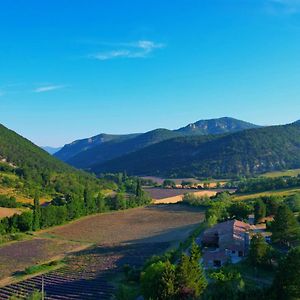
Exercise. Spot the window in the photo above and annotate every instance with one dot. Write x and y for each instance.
(217, 263)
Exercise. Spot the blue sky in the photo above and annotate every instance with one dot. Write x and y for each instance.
(73, 69)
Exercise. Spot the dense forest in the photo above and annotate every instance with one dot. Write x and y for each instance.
(244, 153)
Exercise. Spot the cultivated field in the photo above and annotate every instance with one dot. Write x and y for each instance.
(17, 256)
(165, 223)
(288, 173)
(283, 192)
(167, 196)
(111, 240)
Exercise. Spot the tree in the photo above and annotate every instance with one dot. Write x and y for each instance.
(191, 280)
(239, 210)
(120, 201)
(293, 202)
(286, 284)
(151, 280)
(169, 183)
(36, 223)
(259, 250)
(168, 282)
(89, 201)
(101, 203)
(24, 221)
(259, 210)
(285, 228)
(139, 191)
(225, 284)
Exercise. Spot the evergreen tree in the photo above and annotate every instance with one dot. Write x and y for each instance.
(286, 284)
(285, 228)
(191, 280)
(259, 210)
(259, 250)
(100, 203)
(36, 223)
(89, 202)
(168, 282)
(139, 191)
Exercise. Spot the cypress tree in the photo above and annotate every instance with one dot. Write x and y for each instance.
(259, 210)
(36, 223)
(168, 282)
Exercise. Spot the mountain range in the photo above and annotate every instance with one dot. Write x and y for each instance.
(249, 152)
(89, 153)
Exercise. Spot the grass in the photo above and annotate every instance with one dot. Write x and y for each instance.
(286, 173)
(282, 192)
(254, 276)
(42, 268)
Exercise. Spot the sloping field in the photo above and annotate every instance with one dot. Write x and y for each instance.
(151, 224)
(125, 237)
(17, 256)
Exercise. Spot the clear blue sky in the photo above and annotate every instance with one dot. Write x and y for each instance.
(71, 69)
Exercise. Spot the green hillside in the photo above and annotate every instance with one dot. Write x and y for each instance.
(35, 170)
(248, 152)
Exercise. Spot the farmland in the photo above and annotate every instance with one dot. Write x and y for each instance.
(111, 240)
(166, 196)
(282, 192)
(151, 224)
(8, 212)
(287, 173)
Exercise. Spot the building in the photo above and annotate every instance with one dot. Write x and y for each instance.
(226, 241)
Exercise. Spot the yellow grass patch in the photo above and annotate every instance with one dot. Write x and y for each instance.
(283, 193)
(289, 173)
(178, 198)
(8, 212)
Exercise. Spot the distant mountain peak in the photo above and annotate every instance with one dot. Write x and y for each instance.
(216, 126)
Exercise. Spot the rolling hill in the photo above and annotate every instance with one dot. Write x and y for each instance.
(246, 152)
(97, 150)
(34, 170)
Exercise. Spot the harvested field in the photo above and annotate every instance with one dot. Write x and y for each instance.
(167, 196)
(152, 224)
(8, 212)
(17, 256)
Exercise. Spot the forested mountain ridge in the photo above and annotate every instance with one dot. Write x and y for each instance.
(38, 171)
(248, 152)
(72, 149)
(85, 153)
(118, 147)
